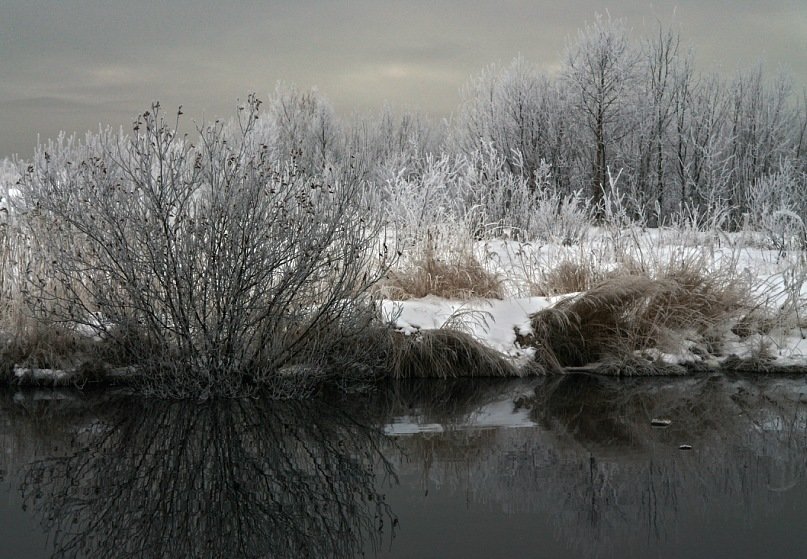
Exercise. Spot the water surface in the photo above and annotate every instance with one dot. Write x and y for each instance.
(566, 467)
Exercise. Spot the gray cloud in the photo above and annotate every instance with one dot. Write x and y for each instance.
(76, 63)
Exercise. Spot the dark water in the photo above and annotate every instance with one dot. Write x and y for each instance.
(567, 467)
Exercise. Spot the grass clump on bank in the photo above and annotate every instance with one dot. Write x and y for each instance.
(445, 353)
(569, 276)
(457, 275)
(630, 313)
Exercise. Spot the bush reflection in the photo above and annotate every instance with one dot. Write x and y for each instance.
(225, 479)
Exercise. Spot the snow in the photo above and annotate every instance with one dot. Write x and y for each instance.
(495, 322)
(42, 375)
(777, 280)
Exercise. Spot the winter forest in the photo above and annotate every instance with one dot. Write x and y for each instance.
(626, 212)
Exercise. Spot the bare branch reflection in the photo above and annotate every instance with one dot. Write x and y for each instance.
(223, 479)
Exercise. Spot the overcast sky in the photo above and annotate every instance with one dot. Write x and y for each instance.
(72, 64)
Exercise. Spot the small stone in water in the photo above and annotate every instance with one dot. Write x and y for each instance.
(685, 447)
(660, 422)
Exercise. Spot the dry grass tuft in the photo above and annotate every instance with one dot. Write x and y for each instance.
(570, 276)
(43, 346)
(459, 276)
(628, 313)
(587, 327)
(446, 353)
(695, 298)
(385, 353)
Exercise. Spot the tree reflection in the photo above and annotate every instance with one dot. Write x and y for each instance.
(748, 438)
(223, 479)
(605, 476)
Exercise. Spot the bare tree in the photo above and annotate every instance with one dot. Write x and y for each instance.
(389, 142)
(764, 130)
(520, 113)
(601, 66)
(663, 84)
(703, 168)
(301, 126)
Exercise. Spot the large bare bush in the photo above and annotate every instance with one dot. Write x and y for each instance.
(204, 264)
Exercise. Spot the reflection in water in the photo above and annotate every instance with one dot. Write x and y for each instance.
(224, 479)
(744, 436)
(575, 457)
(609, 482)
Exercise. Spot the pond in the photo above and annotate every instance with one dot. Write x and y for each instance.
(571, 466)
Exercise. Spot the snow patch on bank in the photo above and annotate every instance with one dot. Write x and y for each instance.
(778, 281)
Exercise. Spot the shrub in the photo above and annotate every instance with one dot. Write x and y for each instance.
(527, 203)
(206, 265)
(778, 207)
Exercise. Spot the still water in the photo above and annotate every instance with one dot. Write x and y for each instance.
(563, 467)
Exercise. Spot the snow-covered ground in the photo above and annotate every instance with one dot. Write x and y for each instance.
(492, 321)
(775, 281)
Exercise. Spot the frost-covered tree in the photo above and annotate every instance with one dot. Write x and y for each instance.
(702, 129)
(520, 112)
(663, 76)
(763, 122)
(601, 69)
(385, 145)
(301, 126)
